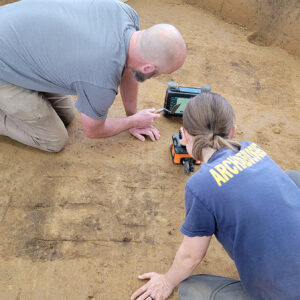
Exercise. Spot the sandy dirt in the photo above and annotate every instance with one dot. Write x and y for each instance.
(82, 224)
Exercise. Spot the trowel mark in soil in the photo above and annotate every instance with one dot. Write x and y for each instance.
(42, 250)
(52, 233)
(259, 39)
(28, 228)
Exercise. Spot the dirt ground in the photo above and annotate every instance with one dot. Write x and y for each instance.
(82, 224)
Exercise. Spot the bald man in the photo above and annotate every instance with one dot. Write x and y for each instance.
(51, 49)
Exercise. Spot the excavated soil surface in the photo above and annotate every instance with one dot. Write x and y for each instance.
(82, 224)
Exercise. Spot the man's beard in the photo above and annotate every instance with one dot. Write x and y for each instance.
(141, 77)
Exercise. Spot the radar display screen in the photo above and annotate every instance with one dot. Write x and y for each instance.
(179, 100)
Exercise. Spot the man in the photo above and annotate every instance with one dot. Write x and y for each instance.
(53, 48)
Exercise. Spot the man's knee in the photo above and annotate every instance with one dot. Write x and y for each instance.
(55, 144)
(70, 115)
(60, 139)
(63, 105)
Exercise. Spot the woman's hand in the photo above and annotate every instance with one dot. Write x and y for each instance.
(157, 288)
(189, 255)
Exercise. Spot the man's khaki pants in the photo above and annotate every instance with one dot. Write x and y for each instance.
(34, 118)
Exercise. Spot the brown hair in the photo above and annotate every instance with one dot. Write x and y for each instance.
(209, 118)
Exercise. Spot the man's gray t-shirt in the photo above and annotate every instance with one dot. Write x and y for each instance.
(69, 47)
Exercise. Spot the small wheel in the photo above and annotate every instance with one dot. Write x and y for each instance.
(192, 167)
(186, 167)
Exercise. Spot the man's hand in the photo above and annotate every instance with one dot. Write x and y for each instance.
(157, 288)
(144, 118)
(140, 133)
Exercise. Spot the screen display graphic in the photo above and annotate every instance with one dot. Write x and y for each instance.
(179, 100)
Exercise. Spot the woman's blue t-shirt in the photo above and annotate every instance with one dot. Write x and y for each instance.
(253, 208)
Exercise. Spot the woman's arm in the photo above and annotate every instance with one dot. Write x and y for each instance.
(190, 253)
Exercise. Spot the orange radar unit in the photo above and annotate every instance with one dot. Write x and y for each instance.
(180, 155)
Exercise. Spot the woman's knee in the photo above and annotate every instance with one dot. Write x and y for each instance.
(294, 175)
(201, 286)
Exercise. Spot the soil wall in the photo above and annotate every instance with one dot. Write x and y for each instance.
(272, 22)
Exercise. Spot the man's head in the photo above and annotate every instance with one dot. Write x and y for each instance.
(157, 50)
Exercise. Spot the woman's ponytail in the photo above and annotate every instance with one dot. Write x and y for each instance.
(209, 118)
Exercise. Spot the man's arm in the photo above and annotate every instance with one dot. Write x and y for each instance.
(129, 90)
(138, 123)
(190, 253)
(113, 126)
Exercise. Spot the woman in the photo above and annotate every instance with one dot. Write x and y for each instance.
(243, 197)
